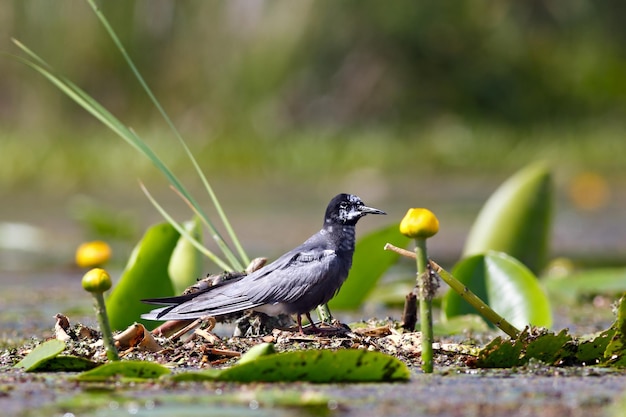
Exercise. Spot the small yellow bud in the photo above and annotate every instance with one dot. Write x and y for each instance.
(419, 223)
(91, 254)
(96, 280)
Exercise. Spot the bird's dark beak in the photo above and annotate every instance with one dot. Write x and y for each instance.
(370, 210)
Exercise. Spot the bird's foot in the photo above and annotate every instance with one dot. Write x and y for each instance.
(328, 330)
(311, 328)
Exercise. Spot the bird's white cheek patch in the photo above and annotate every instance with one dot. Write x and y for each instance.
(353, 214)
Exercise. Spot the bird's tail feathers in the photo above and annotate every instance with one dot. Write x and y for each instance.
(157, 313)
(177, 299)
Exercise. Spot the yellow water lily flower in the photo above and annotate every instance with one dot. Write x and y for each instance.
(91, 254)
(419, 223)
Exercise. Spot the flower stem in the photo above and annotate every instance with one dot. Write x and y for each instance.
(103, 321)
(425, 299)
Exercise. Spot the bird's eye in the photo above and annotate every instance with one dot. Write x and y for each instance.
(343, 205)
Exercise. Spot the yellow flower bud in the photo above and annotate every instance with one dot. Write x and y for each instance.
(419, 223)
(96, 280)
(91, 254)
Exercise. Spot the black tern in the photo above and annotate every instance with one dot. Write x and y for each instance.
(296, 283)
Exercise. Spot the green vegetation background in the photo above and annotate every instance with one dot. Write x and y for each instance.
(265, 89)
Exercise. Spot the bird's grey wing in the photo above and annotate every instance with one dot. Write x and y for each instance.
(305, 274)
(216, 302)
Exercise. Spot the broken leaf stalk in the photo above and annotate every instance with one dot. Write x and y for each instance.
(456, 285)
(486, 311)
(97, 281)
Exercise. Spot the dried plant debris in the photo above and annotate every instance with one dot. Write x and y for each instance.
(137, 336)
(199, 349)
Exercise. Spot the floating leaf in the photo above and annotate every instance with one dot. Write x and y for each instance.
(506, 285)
(127, 369)
(40, 354)
(532, 344)
(608, 281)
(66, 363)
(516, 219)
(370, 262)
(460, 324)
(319, 366)
(607, 347)
(145, 276)
(185, 265)
(499, 353)
(316, 402)
(257, 351)
(548, 348)
(591, 351)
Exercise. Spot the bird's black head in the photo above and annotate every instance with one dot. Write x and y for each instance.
(347, 209)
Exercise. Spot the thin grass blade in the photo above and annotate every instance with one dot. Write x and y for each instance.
(221, 243)
(183, 232)
(108, 119)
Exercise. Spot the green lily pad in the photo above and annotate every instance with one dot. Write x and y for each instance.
(499, 353)
(591, 350)
(257, 351)
(548, 348)
(66, 363)
(318, 366)
(609, 281)
(536, 344)
(506, 285)
(457, 325)
(125, 369)
(41, 354)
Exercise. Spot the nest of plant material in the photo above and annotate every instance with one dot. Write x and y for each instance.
(200, 348)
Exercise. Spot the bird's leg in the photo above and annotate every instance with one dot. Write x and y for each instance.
(317, 330)
(299, 320)
(313, 326)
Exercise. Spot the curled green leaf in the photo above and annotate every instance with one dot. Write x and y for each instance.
(145, 276)
(516, 219)
(41, 354)
(506, 285)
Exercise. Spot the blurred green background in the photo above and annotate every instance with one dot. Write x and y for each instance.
(286, 103)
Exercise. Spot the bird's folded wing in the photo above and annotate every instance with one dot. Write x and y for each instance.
(221, 301)
(292, 279)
